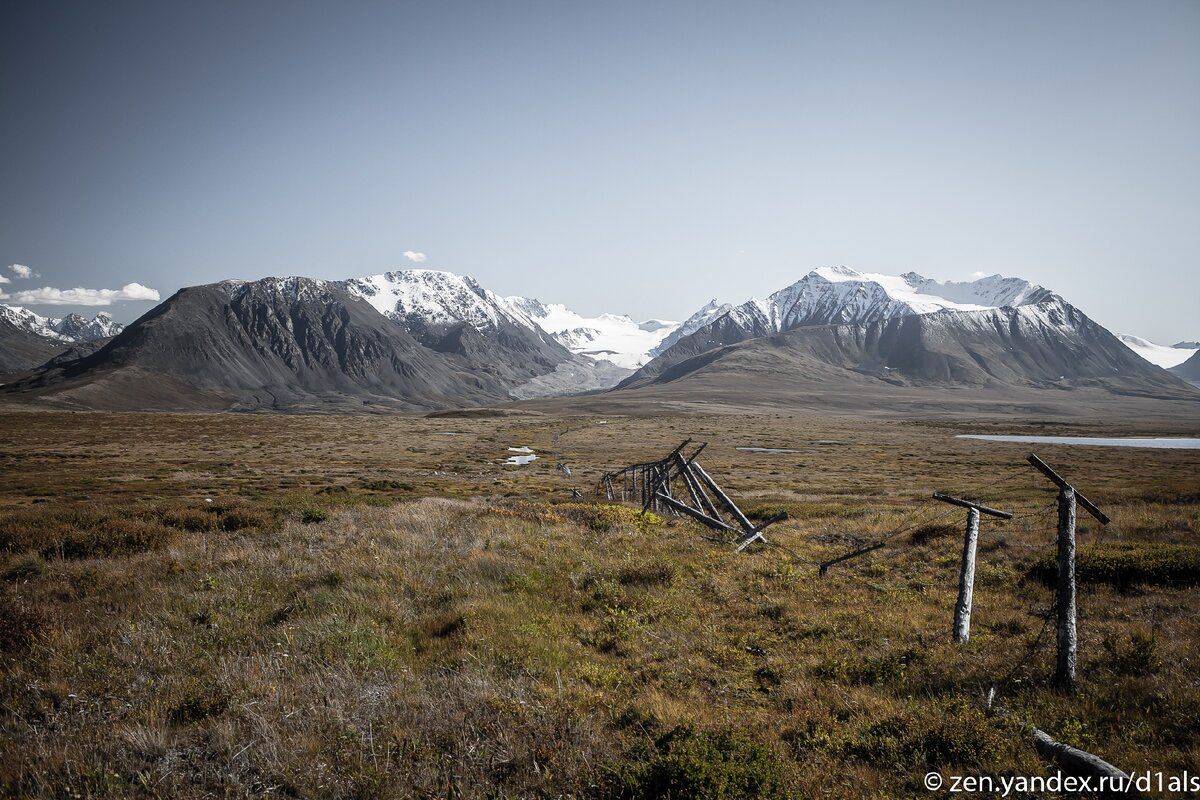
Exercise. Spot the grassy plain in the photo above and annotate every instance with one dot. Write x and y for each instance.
(333, 606)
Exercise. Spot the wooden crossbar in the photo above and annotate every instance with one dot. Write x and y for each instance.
(1061, 483)
(955, 501)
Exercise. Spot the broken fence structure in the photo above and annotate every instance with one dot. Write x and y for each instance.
(678, 485)
(670, 483)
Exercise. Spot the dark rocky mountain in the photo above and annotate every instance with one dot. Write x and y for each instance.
(291, 343)
(74, 352)
(839, 330)
(1044, 345)
(1189, 370)
(453, 314)
(22, 350)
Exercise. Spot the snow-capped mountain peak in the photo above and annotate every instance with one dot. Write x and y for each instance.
(840, 294)
(71, 328)
(433, 297)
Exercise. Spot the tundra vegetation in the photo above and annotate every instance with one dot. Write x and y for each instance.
(308, 606)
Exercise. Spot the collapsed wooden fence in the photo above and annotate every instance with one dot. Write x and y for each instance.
(678, 485)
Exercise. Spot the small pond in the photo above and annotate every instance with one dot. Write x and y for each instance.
(1095, 441)
(525, 456)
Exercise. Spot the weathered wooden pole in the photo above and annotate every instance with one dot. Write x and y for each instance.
(724, 498)
(1068, 643)
(966, 579)
(966, 571)
(1064, 595)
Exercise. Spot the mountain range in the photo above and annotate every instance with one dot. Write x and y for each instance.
(28, 340)
(420, 339)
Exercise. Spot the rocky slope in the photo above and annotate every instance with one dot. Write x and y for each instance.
(279, 343)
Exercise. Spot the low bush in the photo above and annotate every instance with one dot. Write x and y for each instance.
(310, 516)
(80, 533)
(927, 533)
(885, 670)
(24, 568)
(22, 623)
(706, 766)
(655, 573)
(599, 517)
(960, 736)
(1127, 565)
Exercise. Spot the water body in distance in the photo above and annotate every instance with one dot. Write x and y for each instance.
(526, 456)
(768, 450)
(1095, 441)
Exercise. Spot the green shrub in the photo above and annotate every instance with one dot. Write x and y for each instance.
(189, 519)
(1140, 657)
(1124, 565)
(959, 736)
(24, 568)
(889, 669)
(657, 572)
(80, 532)
(313, 515)
(927, 533)
(704, 766)
(236, 519)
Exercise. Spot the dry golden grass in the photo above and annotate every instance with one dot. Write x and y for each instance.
(442, 625)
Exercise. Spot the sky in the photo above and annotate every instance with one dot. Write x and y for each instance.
(625, 157)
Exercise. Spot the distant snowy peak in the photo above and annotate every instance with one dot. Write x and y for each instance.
(842, 295)
(26, 320)
(434, 298)
(1162, 355)
(423, 298)
(71, 328)
(81, 329)
(706, 315)
(609, 337)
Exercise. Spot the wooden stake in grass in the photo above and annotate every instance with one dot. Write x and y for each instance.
(966, 573)
(1068, 644)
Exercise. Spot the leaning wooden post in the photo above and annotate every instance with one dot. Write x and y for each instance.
(1064, 599)
(966, 572)
(966, 579)
(1068, 642)
(724, 498)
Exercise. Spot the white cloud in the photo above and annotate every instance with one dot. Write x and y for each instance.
(977, 275)
(4, 279)
(78, 296)
(413, 255)
(21, 271)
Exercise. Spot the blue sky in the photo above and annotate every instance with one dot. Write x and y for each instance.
(634, 158)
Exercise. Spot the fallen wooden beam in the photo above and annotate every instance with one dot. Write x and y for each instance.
(1072, 760)
(724, 498)
(756, 534)
(697, 515)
